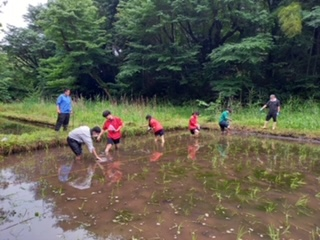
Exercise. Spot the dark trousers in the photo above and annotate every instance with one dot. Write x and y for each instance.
(62, 120)
(75, 146)
(271, 115)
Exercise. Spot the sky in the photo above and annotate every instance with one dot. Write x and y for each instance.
(13, 11)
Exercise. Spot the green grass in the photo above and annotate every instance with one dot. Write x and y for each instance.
(297, 119)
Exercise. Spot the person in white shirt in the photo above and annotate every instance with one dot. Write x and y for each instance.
(83, 135)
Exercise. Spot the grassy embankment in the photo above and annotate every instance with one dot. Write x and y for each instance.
(296, 120)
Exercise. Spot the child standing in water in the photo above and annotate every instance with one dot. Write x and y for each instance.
(156, 126)
(112, 126)
(224, 121)
(194, 126)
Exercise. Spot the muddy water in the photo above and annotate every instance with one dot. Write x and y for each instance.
(212, 188)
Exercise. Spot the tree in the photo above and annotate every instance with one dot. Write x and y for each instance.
(25, 47)
(80, 40)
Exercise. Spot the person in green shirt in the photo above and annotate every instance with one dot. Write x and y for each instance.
(225, 120)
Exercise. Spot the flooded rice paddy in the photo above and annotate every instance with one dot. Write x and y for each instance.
(216, 187)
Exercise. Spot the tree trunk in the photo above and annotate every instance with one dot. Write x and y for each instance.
(101, 83)
(316, 51)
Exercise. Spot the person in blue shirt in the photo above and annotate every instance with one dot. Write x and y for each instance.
(224, 120)
(64, 109)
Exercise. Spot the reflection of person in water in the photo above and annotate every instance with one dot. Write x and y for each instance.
(113, 172)
(156, 154)
(192, 149)
(222, 147)
(84, 181)
(64, 170)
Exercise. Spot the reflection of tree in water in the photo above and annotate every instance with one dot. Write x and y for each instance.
(6, 214)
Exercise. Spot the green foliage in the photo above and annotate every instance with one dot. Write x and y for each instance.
(290, 18)
(180, 50)
(312, 18)
(79, 36)
(4, 90)
(252, 50)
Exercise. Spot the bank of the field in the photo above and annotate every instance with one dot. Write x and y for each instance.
(298, 120)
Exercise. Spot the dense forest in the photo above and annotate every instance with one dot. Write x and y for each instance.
(178, 50)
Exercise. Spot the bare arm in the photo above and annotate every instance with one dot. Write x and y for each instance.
(264, 106)
(100, 135)
(119, 128)
(95, 154)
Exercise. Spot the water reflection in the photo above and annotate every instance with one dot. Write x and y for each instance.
(84, 177)
(157, 153)
(23, 216)
(146, 191)
(64, 170)
(222, 146)
(192, 149)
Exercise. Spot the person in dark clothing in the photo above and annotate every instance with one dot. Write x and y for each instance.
(274, 110)
(64, 109)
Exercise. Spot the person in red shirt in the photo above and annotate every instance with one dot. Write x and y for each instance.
(112, 126)
(156, 126)
(194, 126)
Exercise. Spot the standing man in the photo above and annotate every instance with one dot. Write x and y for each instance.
(64, 109)
(274, 110)
(113, 126)
(83, 135)
(224, 121)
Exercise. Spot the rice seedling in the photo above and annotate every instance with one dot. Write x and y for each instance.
(273, 232)
(154, 198)
(194, 236)
(123, 217)
(81, 207)
(270, 207)
(240, 233)
(220, 210)
(302, 205)
(253, 193)
(297, 182)
(160, 220)
(315, 234)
